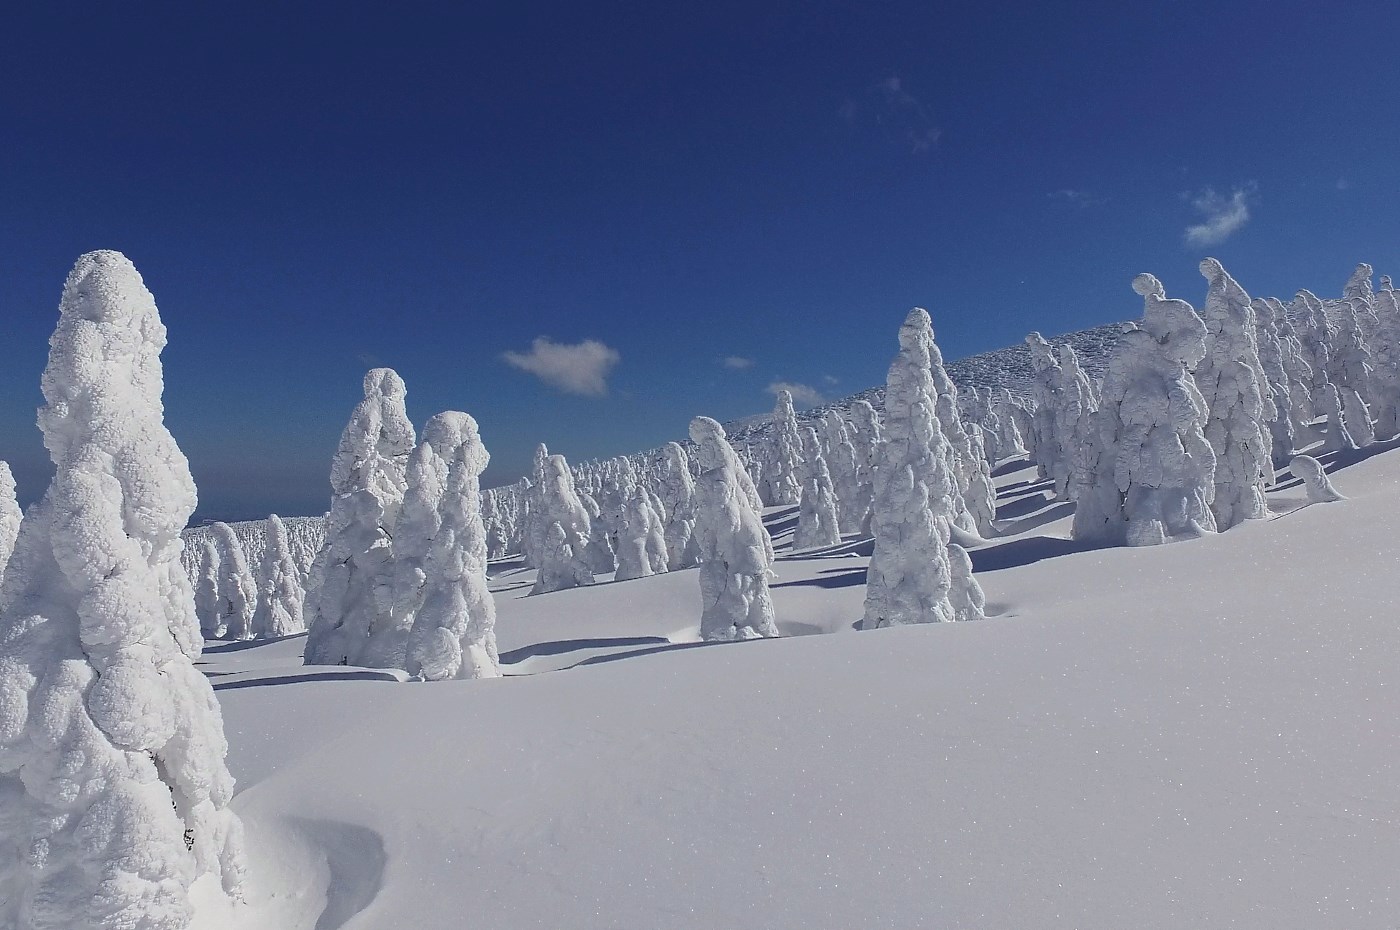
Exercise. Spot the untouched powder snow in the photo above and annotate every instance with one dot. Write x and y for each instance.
(1197, 735)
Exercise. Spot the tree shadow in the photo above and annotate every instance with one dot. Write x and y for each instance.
(364, 674)
(1019, 552)
(831, 578)
(1036, 520)
(238, 645)
(559, 647)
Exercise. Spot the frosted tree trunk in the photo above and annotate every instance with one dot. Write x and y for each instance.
(736, 553)
(113, 787)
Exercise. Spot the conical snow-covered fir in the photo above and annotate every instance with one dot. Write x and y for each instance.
(238, 590)
(782, 473)
(736, 553)
(114, 792)
(816, 517)
(562, 554)
(1152, 474)
(454, 630)
(9, 517)
(280, 595)
(678, 496)
(910, 580)
(208, 599)
(1232, 381)
(349, 597)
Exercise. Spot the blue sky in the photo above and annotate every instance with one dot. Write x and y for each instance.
(314, 190)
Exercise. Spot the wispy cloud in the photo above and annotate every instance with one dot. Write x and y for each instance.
(582, 368)
(901, 115)
(1076, 197)
(1222, 216)
(803, 395)
(1343, 184)
(737, 362)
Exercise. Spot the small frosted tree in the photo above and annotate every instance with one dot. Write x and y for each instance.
(1300, 377)
(736, 553)
(1232, 381)
(9, 517)
(1278, 398)
(1076, 402)
(114, 793)
(1044, 442)
(981, 496)
(909, 578)
(783, 468)
(1350, 370)
(454, 630)
(678, 495)
(238, 589)
(845, 474)
(351, 588)
(1015, 423)
(816, 518)
(867, 437)
(208, 600)
(1386, 359)
(280, 596)
(598, 554)
(1329, 405)
(1310, 471)
(562, 561)
(965, 594)
(641, 539)
(1153, 470)
(536, 522)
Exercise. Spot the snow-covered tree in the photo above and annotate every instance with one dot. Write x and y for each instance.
(816, 518)
(1153, 470)
(845, 474)
(965, 594)
(9, 517)
(535, 522)
(238, 590)
(1358, 286)
(562, 562)
(279, 611)
(1300, 376)
(1278, 399)
(454, 629)
(1044, 441)
(736, 553)
(114, 791)
(641, 539)
(1386, 360)
(351, 588)
(1350, 370)
(1310, 471)
(909, 578)
(1315, 333)
(678, 495)
(1329, 405)
(1075, 403)
(1233, 383)
(981, 496)
(783, 468)
(866, 437)
(208, 600)
(1015, 422)
(598, 554)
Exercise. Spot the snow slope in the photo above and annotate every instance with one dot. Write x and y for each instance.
(1195, 735)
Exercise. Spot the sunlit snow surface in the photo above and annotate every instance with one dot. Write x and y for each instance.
(1196, 735)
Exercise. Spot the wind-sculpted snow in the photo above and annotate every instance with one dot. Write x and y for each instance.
(1314, 477)
(114, 794)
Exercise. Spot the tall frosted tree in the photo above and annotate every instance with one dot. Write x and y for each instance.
(816, 516)
(114, 792)
(678, 495)
(641, 539)
(1278, 398)
(280, 594)
(736, 553)
(1153, 470)
(1232, 381)
(454, 629)
(9, 517)
(238, 590)
(1044, 440)
(845, 474)
(867, 436)
(562, 555)
(1350, 370)
(536, 524)
(783, 468)
(208, 600)
(351, 590)
(1386, 360)
(909, 579)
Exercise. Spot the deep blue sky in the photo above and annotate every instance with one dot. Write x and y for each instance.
(311, 191)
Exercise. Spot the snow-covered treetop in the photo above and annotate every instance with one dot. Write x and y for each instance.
(1359, 284)
(451, 431)
(1173, 324)
(379, 437)
(712, 450)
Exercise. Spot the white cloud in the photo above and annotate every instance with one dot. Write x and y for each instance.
(803, 395)
(575, 369)
(736, 362)
(1223, 216)
(831, 379)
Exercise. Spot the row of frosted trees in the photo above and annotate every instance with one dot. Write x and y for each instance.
(250, 582)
